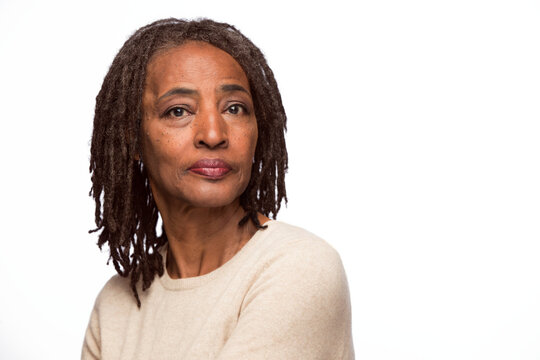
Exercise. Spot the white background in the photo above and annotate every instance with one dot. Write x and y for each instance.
(414, 150)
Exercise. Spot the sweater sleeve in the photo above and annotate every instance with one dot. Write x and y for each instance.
(297, 308)
(91, 345)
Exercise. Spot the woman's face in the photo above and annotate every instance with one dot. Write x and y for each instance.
(199, 129)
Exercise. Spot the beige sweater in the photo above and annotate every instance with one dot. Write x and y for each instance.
(284, 295)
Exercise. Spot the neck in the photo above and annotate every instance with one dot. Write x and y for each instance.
(203, 239)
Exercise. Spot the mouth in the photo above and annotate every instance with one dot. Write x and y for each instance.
(211, 168)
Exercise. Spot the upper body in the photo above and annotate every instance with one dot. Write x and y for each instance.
(189, 128)
(284, 295)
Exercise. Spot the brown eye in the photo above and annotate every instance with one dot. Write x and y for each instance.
(234, 109)
(177, 112)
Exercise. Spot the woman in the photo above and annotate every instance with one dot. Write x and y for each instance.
(189, 127)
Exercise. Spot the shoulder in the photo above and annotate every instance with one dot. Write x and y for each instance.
(300, 263)
(292, 237)
(298, 303)
(116, 293)
(300, 248)
(111, 303)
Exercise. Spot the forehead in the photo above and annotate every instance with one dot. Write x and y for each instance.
(194, 62)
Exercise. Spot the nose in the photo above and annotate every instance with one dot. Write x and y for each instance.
(211, 130)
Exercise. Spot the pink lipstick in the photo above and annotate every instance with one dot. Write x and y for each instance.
(211, 168)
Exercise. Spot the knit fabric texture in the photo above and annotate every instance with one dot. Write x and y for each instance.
(284, 295)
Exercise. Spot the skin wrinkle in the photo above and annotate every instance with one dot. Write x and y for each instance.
(187, 91)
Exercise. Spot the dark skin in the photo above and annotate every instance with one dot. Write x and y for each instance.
(197, 105)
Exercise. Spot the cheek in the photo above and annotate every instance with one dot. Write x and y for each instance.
(245, 142)
(152, 145)
(251, 137)
(161, 149)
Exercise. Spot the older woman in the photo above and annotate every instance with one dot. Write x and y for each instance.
(189, 127)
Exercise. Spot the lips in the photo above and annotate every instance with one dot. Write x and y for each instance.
(211, 168)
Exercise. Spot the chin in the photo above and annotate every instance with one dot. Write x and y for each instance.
(213, 198)
(213, 202)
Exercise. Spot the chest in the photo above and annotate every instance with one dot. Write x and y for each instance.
(173, 325)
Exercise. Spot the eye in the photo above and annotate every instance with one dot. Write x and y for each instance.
(177, 112)
(236, 109)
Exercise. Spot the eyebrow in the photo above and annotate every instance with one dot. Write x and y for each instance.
(233, 87)
(178, 91)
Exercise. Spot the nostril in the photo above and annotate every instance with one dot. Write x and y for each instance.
(211, 145)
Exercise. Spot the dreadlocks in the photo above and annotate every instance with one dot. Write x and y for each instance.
(126, 212)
